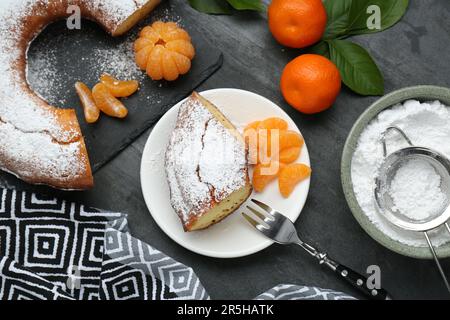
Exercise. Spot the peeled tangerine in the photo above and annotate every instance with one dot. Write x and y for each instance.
(262, 130)
(290, 146)
(273, 123)
(258, 136)
(91, 112)
(107, 103)
(118, 88)
(266, 124)
(290, 175)
(164, 50)
(289, 155)
(262, 178)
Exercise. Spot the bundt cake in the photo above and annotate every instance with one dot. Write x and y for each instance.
(206, 165)
(39, 143)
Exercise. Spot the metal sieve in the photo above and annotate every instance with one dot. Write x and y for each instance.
(385, 203)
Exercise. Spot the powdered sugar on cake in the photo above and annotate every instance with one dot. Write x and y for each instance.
(217, 167)
(27, 128)
(18, 108)
(59, 160)
(117, 11)
(182, 160)
(205, 163)
(23, 111)
(32, 138)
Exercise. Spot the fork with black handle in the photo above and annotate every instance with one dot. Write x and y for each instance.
(280, 229)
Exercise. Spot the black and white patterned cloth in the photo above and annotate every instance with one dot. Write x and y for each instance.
(294, 292)
(52, 249)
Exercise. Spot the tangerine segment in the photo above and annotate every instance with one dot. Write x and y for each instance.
(289, 155)
(263, 174)
(182, 46)
(175, 34)
(154, 63)
(289, 139)
(250, 135)
(142, 56)
(169, 67)
(290, 176)
(273, 123)
(107, 103)
(265, 144)
(251, 140)
(149, 33)
(252, 125)
(143, 42)
(286, 139)
(183, 63)
(159, 27)
(119, 88)
(91, 111)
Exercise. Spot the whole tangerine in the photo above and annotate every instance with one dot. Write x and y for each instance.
(310, 83)
(297, 23)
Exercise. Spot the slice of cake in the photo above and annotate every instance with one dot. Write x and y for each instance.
(206, 165)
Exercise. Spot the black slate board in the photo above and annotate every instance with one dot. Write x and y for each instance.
(59, 57)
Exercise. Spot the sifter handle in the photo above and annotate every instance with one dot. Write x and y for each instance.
(402, 133)
(447, 226)
(436, 259)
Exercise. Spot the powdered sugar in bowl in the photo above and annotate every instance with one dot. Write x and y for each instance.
(419, 197)
(411, 188)
(422, 113)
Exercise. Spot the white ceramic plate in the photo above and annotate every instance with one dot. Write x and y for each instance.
(232, 237)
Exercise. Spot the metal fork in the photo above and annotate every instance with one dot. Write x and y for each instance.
(280, 229)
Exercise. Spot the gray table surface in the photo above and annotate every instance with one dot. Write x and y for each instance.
(415, 51)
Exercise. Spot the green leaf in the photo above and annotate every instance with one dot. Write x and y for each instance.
(358, 70)
(256, 5)
(391, 12)
(337, 17)
(211, 6)
(350, 17)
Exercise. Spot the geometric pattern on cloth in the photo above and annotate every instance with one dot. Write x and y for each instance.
(57, 240)
(295, 292)
(133, 269)
(18, 283)
(42, 240)
(53, 249)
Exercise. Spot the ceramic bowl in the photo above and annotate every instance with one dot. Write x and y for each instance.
(421, 93)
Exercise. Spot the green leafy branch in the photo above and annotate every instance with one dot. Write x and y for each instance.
(346, 18)
(358, 70)
(226, 6)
